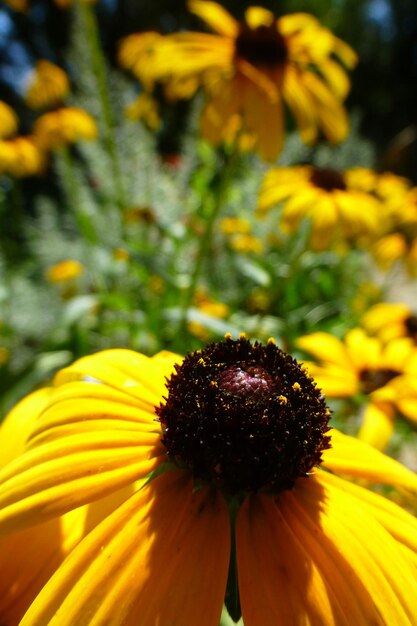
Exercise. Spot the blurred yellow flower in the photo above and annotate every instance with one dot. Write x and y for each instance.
(64, 126)
(64, 271)
(399, 242)
(8, 121)
(249, 70)
(144, 108)
(21, 157)
(389, 320)
(121, 255)
(384, 373)
(48, 85)
(336, 205)
(4, 355)
(17, 5)
(246, 243)
(233, 225)
(210, 307)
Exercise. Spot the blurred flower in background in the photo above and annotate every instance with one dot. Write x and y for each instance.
(336, 204)
(249, 70)
(381, 375)
(48, 86)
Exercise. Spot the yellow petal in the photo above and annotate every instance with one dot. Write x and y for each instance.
(215, 16)
(56, 477)
(327, 348)
(381, 568)
(377, 426)
(127, 371)
(258, 16)
(17, 426)
(160, 558)
(355, 458)
(364, 351)
(398, 522)
(279, 582)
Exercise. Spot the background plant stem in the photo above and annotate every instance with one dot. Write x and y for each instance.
(99, 71)
(212, 204)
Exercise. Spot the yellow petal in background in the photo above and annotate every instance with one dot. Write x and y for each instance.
(258, 16)
(215, 16)
(377, 425)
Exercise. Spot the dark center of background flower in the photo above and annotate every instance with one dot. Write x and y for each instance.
(244, 417)
(411, 325)
(371, 380)
(327, 178)
(263, 45)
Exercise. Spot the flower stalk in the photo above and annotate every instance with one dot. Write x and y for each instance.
(99, 72)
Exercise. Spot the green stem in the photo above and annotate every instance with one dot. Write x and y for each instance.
(84, 222)
(212, 205)
(232, 598)
(99, 71)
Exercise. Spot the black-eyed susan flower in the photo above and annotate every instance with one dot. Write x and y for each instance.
(48, 85)
(22, 156)
(389, 320)
(383, 374)
(233, 439)
(64, 126)
(334, 201)
(8, 121)
(250, 71)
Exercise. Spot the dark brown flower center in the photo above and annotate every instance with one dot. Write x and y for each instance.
(371, 379)
(244, 417)
(327, 178)
(411, 326)
(263, 45)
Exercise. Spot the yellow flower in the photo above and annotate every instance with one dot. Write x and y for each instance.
(384, 372)
(17, 5)
(64, 126)
(64, 271)
(249, 71)
(121, 255)
(310, 547)
(239, 236)
(8, 121)
(246, 244)
(334, 201)
(21, 157)
(233, 225)
(389, 320)
(399, 242)
(209, 307)
(144, 108)
(48, 85)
